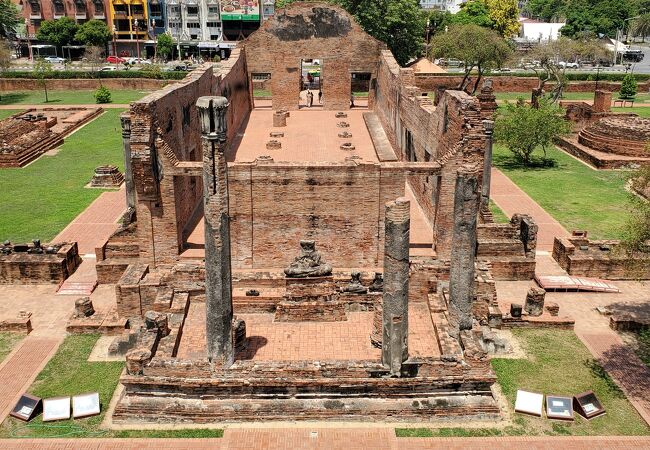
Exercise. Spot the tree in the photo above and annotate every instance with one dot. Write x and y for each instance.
(473, 12)
(58, 32)
(5, 55)
(505, 16)
(597, 16)
(94, 32)
(42, 71)
(9, 18)
(641, 26)
(545, 10)
(94, 56)
(164, 45)
(628, 88)
(523, 128)
(461, 42)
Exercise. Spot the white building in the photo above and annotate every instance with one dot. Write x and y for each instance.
(532, 30)
(453, 6)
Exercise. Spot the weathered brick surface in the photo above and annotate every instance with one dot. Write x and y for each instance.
(16, 84)
(306, 31)
(39, 268)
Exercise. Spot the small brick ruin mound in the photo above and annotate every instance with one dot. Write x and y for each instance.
(620, 135)
(107, 177)
(276, 134)
(24, 138)
(273, 144)
(345, 134)
(343, 125)
(340, 115)
(347, 146)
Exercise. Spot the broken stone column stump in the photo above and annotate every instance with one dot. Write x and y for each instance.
(279, 119)
(552, 308)
(239, 335)
(157, 321)
(83, 307)
(534, 305)
(136, 360)
(377, 324)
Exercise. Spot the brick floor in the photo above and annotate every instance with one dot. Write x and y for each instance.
(299, 341)
(19, 370)
(92, 227)
(511, 199)
(334, 439)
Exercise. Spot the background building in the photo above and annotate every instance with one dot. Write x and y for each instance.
(453, 6)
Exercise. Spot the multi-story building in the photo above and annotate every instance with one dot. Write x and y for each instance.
(157, 14)
(36, 11)
(129, 21)
(453, 6)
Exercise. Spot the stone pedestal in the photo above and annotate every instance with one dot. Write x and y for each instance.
(239, 335)
(83, 307)
(534, 305)
(279, 119)
(310, 300)
(602, 101)
(136, 360)
(552, 308)
(157, 321)
(396, 285)
(107, 177)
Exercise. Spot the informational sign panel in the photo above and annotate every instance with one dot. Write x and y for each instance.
(26, 408)
(248, 10)
(85, 405)
(559, 407)
(57, 408)
(529, 403)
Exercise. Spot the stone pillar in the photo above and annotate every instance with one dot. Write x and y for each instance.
(396, 285)
(218, 280)
(602, 101)
(463, 250)
(534, 305)
(125, 118)
(488, 125)
(83, 307)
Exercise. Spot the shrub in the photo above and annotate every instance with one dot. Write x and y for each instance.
(102, 95)
(216, 58)
(628, 87)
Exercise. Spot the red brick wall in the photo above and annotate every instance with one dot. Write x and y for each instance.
(17, 84)
(311, 31)
(340, 205)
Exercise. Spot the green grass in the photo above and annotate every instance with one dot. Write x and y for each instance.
(643, 351)
(498, 215)
(39, 200)
(69, 373)
(7, 343)
(4, 113)
(578, 197)
(558, 364)
(642, 111)
(62, 97)
(513, 96)
(257, 93)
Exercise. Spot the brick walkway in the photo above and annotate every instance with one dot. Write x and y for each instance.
(511, 199)
(332, 439)
(21, 367)
(105, 105)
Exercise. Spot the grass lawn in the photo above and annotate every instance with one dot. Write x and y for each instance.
(642, 111)
(7, 343)
(558, 364)
(513, 96)
(262, 93)
(39, 200)
(498, 215)
(69, 373)
(4, 113)
(56, 97)
(579, 197)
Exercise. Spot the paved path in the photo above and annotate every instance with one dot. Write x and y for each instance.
(332, 439)
(49, 105)
(511, 199)
(21, 367)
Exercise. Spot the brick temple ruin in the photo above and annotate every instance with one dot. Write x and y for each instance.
(280, 262)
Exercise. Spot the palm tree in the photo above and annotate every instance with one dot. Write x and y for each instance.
(641, 26)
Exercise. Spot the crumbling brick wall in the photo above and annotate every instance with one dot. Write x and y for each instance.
(312, 31)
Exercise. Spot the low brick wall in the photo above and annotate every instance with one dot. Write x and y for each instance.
(22, 84)
(20, 267)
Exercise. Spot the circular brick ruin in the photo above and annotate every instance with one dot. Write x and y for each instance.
(622, 135)
(343, 125)
(347, 146)
(345, 134)
(273, 144)
(340, 115)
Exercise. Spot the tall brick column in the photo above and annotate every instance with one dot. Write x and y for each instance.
(463, 250)
(125, 118)
(218, 280)
(396, 285)
(488, 125)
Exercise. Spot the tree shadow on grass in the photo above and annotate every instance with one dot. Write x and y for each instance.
(510, 162)
(12, 98)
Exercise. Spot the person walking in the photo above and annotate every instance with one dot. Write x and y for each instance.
(352, 100)
(320, 96)
(310, 98)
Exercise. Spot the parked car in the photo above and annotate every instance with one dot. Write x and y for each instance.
(115, 60)
(54, 59)
(108, 69)
(568, 65)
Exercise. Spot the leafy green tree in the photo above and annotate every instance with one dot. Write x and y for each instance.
(628, 88)
(5, 55)
(505, 16)
(9, 18)
(438, 20)
(473, 12)
(597, 16)
(164, 45)
(94, 33)
(523, 128)
(58, 32)
(42, 71)
(546, 10)
(102, 95)
(641, 26)
(461, 42)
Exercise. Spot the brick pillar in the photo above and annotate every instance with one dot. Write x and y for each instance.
(488, 125)
(602, 101)
(463, 250)
(218, 279)
(396, 285)
(128, 168)
(487, 100)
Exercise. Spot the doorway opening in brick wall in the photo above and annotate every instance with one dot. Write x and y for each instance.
(311, 83)
(360, 88)
(262, 91)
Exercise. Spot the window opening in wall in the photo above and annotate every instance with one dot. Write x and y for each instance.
(360, 89)
(409, 146)
(311, 83)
